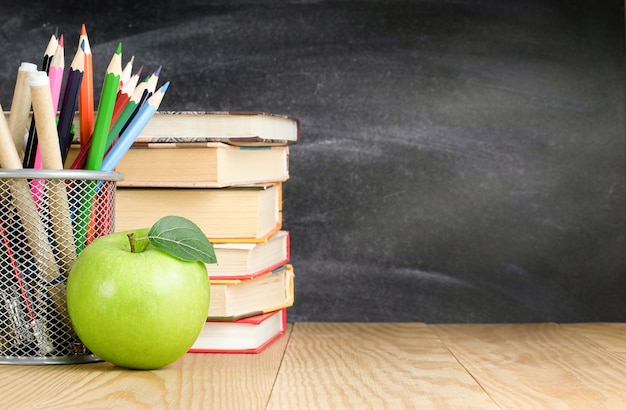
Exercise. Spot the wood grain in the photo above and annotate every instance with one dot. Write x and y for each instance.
(358, 366)
(196, 381)
(375, 365)
(610, 335)
(538, 365)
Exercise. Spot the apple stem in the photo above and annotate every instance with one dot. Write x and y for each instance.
(131, 240)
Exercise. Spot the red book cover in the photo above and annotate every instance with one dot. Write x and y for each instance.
(248, 335)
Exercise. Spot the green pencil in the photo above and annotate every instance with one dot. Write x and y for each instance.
(105, 110)
(142, 92)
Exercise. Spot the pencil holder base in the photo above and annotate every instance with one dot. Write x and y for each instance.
(27, 360)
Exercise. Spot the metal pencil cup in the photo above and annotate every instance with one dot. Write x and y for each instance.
(46, 218)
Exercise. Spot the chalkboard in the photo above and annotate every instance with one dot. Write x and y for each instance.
(461, 161)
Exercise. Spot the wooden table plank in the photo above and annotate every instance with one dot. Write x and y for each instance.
(374, 365)
(358, 365)
(610, 335)
(538, 365)
(196, 381)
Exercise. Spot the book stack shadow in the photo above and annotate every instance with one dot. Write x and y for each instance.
(224, 171)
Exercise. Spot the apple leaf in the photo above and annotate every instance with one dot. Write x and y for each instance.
(182, 239)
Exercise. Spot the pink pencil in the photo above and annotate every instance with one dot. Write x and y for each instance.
(55, 74)
(56, 71)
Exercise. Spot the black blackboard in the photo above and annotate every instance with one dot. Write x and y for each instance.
(460, 160)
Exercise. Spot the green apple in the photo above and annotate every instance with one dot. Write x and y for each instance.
(134, 304)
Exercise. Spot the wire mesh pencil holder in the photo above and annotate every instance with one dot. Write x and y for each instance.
(46, 218)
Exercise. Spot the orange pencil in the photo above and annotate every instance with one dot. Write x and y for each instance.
(86, 99)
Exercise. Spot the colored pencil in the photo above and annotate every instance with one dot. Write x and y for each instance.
(131, 132)
(20, 106)
(21, 333)
(70, 99)
(49, 52)
(105, 110)
(139, 96)
(120, 113)
(124, 95)
(151, 82)
(132, 108)
(81, 158)
(87, 212)
(56, 72)
(86, 99)
(127, 115)
(39, 330)
(127, 72)
(45, 120)
(142, 92)
(55, 75)
(31, 144)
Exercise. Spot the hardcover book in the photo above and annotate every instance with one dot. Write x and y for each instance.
(248, 335)
(241, 260)
(234, 214)
(206, 165)
(237, 128)
(238, 298)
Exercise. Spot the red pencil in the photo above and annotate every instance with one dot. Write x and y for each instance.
(123, 96)
(16, 271)
(127, 72)
(38, 328)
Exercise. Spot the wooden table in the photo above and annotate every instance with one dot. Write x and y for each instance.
(359, 366)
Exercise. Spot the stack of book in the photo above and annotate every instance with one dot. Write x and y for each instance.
(225, 172)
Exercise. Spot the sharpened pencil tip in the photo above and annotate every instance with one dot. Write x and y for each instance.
(158, 71)
(61, 41)
(83, 30)
(164, 87)
(139, 70)
(118, 50)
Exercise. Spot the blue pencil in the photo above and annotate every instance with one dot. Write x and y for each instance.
(133, 129)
